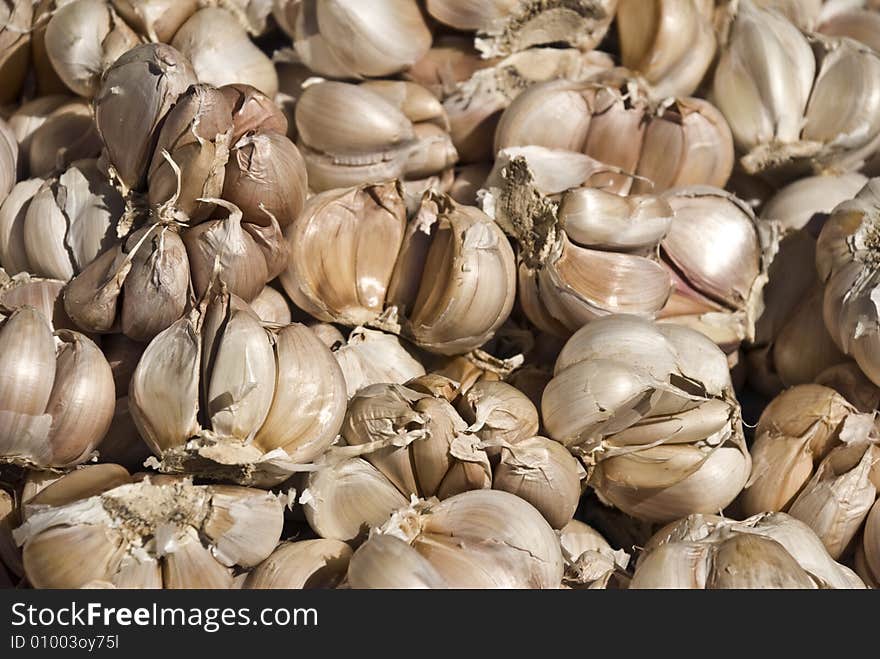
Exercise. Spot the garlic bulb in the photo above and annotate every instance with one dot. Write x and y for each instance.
(778, 119)
(252, 112)
(770, 550)
(271, 307)
(719, 255)
(350, 40)
(650, 409)
(141, 86)
(15, 22)
(682, 142)
(478, 539)
(153, 533)
(302, 565)
(256, 400)
(651, 43)
(222, 53)
(846, 260)
(371, 357)
(55, 228)
(542, 472)
(158, 20)
(448, 272)
(196, 135)
(474, 104)
(848, 380)
(8, 160)
(579, 259)
(506, 26)
(498, 414)
(57, 392)
(83, 38)
(67, 135)
(351, 134)
(590, 562)
(44, 295)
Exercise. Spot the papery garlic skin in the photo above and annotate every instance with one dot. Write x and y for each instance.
(371, 357)
(199, 533)
(652, 448)
(846, 258)
(769, 550)
(590, 562)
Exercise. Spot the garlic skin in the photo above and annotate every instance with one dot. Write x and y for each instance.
(385, 262)
(63, 226)
(769, 550)
(794, 122)
(58, 393)
(271, 307)
(719, 255)
(590, 562)
(141, 85)
(498, 414)
(158, 20)
(861, 24)
(253, 112)
(848, 380)
(256, 399)
(8, 160)
(44, 295)
(650, 43)
(222, 53)
(83, 38)
(846, 262)
(68, 135)
(401, 132)
(371, 357)
(152, 533)
(668, 144)
(15, 21)
(651, 447)
(30, 116)
(871, 544)
(347, 40)
(577, 259)
(301, 565)
(507, 26)
(500, 541)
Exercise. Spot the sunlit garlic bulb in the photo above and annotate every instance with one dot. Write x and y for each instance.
(99, 524)
(770, 550)
(257, 399)
(303, 564)
(719, 255)
(651, 42)
(591, 254)
(368, 133)
(448, 271)
(590, 562)
(847, 258)
(636, 145)
(479, 539)
(372, 357)
(57, 393)
(782, 93)
(650, 409)
(507, 26)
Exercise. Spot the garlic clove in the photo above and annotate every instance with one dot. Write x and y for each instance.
(304, 564)
(94, 552)
(271, 307)
(65, 137)
(871, 542)
(91, 299)
(15, 20)
(13, 211)
(157, 20)
(388, 562)
(498, 411)
(589, 560)
(243, 524)
(252, 112)
(754, 562)
(372, 357)
(191, 565)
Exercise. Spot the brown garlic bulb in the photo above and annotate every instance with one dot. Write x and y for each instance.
(580, 259)
(507, 26)
(257, 399)
(83, 38)
(349, 40)
(719, 255)
(650, 409)
(353, 134)
(783, 122)
(651, 43)
(57, 392)
(252, 111)
(222, 53)
(140, 86)
(55, 228)
(415, 267)
(15, 22)
(304, 564)
(195, 135)
(266, 177)
(154, 533)
(685, 142)
(770, 550)
(846, 258)
(158, 20)
(477, 539)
